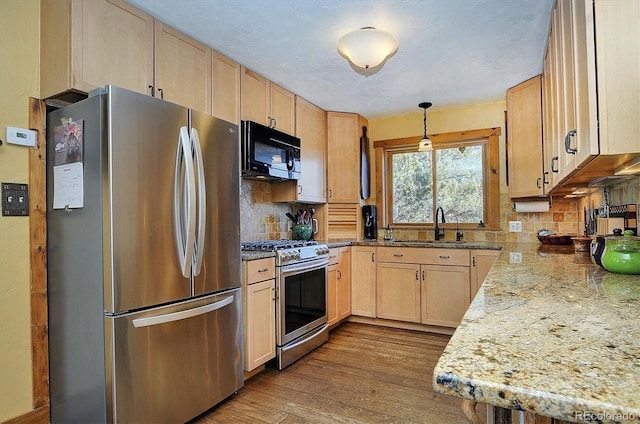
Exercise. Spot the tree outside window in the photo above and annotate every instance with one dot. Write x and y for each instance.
(458, 175)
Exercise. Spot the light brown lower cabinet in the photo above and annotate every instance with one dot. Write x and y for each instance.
(339, 285)
(363, 281)
(445, 294)
(481, 263)
(259, 312)
(398, 291)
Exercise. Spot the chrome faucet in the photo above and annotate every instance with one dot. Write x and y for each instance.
(439, 232)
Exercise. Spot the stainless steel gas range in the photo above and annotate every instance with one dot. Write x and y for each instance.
(301, 296)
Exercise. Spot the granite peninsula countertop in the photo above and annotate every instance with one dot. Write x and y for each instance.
(554, 335)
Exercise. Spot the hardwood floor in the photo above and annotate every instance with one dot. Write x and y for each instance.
(364, 374)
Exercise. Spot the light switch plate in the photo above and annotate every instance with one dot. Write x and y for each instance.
(21, 136)
(515, 226)
(515, 257)
(15, 199)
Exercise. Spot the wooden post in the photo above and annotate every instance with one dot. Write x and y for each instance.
(38, 256)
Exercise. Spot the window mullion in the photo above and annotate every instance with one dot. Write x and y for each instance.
(434, 184)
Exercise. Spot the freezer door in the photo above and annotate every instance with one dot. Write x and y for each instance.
(219, 246)
(171, 364)
(142, 264)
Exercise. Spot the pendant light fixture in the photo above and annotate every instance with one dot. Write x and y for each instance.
(425, 144)
(367, 47)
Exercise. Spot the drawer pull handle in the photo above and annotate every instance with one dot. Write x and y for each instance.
(263, 270)
(445, 256)
(398, 255)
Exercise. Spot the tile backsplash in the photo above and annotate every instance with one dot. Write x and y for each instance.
(263, 220)
(260, 219)
(626, 192)
(562, 217)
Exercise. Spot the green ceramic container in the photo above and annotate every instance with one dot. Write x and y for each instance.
(622, 254)
(302, 231)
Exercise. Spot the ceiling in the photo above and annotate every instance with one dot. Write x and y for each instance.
(451, 52)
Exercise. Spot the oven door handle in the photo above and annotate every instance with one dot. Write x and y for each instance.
(296, 269)
(304, 340)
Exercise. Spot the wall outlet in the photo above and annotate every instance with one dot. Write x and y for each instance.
(515, 226)
(515, 257)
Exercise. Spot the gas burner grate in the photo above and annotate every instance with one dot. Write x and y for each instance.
(271, 245)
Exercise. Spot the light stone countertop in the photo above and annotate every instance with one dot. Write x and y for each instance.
(554, 335)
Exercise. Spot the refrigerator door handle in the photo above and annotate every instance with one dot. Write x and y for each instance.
(202, 202)
(183, 207)
(177, 316)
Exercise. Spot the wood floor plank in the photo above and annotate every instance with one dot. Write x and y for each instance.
(364, 374)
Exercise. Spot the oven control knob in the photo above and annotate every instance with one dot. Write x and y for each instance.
(295, 255)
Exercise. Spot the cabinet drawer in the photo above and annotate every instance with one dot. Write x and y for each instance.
(435, 256)
(439, 256)
(260, 270)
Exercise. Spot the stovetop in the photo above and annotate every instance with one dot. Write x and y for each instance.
(274, 245)
(290, 251)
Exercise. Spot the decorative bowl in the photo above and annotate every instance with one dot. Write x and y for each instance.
(581, 243)
(563, 239)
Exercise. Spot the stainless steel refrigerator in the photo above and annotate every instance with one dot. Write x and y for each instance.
(144, 275)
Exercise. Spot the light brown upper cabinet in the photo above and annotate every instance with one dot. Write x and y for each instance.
(524, 135)
(267, 103)
(311, 128)
(343, 157)
(591, 79)
(226, 89)
(182, 69)
(87, 44)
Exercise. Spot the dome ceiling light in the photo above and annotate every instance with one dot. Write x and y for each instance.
(367, 48)
(425, 144)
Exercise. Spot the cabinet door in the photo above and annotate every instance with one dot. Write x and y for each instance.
(225, 101)
(398, 291)
(182, 69)
(332, 294)
(525, 139)
(254, 97)
(343, 158)
(618, 75)
(260, 327)
(363, 281)
(339, 285)
(282, 109)
(445, 294)
(549, 142)
(311, 128)
(343, 304)
(87, 44)
(481, 263)
(584, 63)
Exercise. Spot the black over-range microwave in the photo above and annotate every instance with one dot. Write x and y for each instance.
(269, 154)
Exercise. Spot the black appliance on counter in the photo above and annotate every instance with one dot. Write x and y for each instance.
(370, 218)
